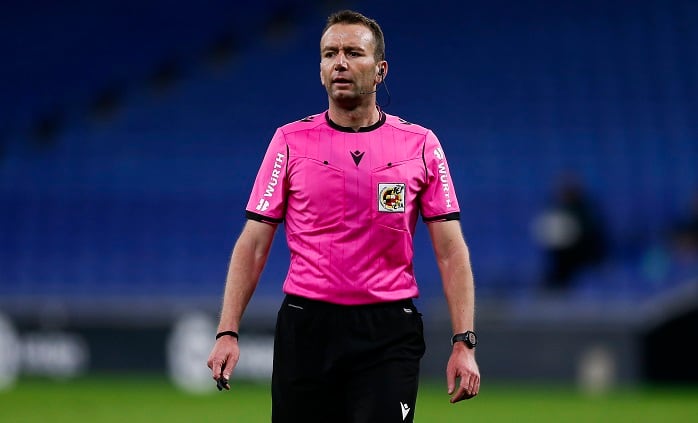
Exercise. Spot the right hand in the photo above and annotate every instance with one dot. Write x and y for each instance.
(223, 358)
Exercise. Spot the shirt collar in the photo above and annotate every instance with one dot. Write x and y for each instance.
(378, 124)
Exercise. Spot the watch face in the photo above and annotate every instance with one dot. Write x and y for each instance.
(472, 339)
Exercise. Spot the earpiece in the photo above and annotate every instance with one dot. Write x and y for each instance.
(381, 73)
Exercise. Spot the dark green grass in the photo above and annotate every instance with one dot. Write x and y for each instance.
(153, 400)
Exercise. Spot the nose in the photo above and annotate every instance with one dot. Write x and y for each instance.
(340, 63)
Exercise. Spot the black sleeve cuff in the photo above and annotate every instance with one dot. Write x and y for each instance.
(442, 217)
(261, 218)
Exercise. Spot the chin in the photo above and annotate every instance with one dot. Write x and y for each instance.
(344, 95)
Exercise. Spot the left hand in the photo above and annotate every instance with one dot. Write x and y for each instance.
(462, 366)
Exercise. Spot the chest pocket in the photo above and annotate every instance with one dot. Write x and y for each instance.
(317, 195)
(392, 195)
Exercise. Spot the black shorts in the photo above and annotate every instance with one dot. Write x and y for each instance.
(335, 363)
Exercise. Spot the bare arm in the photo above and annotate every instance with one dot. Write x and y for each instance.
(453, 259)
(246, 264)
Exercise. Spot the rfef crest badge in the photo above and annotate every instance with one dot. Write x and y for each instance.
(391, 198)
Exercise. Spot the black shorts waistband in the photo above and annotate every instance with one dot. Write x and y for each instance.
(317, 304)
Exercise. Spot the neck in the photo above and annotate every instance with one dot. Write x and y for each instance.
(355, 118)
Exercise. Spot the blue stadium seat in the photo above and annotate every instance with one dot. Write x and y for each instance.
(150, 202)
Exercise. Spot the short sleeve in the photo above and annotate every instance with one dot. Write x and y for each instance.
(438, 201)
(267, 201)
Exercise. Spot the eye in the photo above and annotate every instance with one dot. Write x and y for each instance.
(354, 54)
(328, 54)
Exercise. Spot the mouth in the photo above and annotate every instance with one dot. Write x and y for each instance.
(342, 81)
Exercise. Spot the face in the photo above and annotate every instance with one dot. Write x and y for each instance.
(348, 66)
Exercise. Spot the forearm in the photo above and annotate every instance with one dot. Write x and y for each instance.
(453, 260)
(459, 289)
(246, 264)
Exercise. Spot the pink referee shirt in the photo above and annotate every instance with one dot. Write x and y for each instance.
(350, 202)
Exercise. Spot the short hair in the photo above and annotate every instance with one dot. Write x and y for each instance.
(350, 17)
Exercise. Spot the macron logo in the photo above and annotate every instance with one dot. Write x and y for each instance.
(405, 410)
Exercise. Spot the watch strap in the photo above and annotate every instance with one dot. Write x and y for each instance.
(469, 338)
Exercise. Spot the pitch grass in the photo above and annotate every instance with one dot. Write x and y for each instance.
(139, 399)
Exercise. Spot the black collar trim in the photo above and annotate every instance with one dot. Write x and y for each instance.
(381, 121)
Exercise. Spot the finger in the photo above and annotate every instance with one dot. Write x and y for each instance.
(222, 384)
(459, 395)
(227, 369)
(216, 368)
(468, 386)
(450, 381)
(475, 388)
(471, 387)
(469, 393)
(467, 397)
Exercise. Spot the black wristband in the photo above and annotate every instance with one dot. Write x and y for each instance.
(228, 332)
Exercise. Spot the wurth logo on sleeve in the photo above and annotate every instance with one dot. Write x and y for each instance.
(443, 176)
(263, 205)
(274, 180)
(439, 153)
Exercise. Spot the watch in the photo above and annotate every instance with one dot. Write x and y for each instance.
(467, 337)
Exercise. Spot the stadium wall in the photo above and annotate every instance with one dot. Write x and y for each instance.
(595, 346)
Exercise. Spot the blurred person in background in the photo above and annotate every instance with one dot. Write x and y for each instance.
(684, 234)
(571, 233)
(349, 184)
(675, 257)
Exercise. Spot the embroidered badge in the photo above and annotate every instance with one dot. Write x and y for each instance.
(391, 198)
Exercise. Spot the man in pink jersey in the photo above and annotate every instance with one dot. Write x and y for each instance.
(350, 184)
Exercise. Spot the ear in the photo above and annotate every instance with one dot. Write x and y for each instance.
(381, 71)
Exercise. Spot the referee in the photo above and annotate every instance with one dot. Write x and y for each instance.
(349, 184)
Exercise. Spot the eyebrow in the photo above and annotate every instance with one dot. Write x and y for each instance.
(346, 47)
